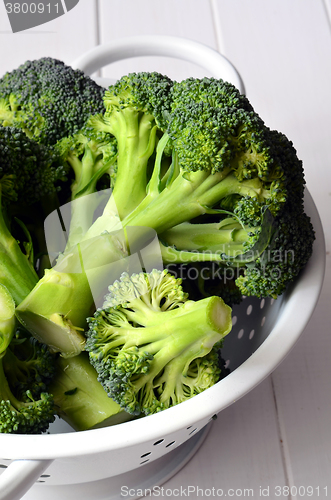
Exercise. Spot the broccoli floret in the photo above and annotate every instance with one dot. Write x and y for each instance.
(25, 407)
(30, 166)
(136, 107)
(7, 319)
(89, 158)
(205, 279)
(90, 155)
(28, 364)
(48, 99)
(27, 175)
(151, 346)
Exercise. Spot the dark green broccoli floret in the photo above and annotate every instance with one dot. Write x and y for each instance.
(32, 167)
(48, 99)
(211, 91)
(24, 416)
(29, 366)
(90, 155)
(151, 346)
(28, 174)
(25, 406)
(205, 279)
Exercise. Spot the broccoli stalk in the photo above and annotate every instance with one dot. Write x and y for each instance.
(151, 346)
(16, 272)
(79, 397)
(7, 318)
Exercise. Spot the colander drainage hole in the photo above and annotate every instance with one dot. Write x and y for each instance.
(3, 466)
(251, 334)
(170, 444)
(249, 309)
(145, 455)
(158, 442)
(42, 478)
(192, 432)
(241, 333)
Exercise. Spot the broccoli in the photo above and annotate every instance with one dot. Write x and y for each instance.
(205, 279)
(48, 99)
(79, 397)
(25, 405)
(7, 319)
(27, 174)
(88, 158)
(186, 152)
(135, 108)
(153, 347)
(31, 167)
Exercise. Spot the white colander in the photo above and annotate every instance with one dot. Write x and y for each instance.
(95, 464)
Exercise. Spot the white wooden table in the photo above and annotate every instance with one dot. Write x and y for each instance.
(276, 441)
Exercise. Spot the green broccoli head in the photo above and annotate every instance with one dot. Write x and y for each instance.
(28, 170)
(143, 92)
(88, 157)
(48, 99)
(152, 347)
(25, 417)
(216, 93)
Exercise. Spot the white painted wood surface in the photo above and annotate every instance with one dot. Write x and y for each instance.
(279, 434)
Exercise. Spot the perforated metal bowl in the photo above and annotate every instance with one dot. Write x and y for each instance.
(66, 464)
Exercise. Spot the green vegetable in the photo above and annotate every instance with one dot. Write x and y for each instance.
(192, 163)
(186, 152)
(80, 399)
(48, 99)
(27, 174)
(25, 370)
(7, 319)
(151, 346)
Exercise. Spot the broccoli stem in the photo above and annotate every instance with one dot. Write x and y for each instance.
(7, 319)
(80, 399)
(189, 196)
(135, 133)
(16, 272)
(226, 237)
(56, 310)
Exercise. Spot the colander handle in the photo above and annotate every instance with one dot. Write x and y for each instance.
(150, 45)
(18, 478)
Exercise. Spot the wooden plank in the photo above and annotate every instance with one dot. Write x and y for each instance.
(65, 38)
(187, 18)
(280, 48)
(242, 451)
(284, 60)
